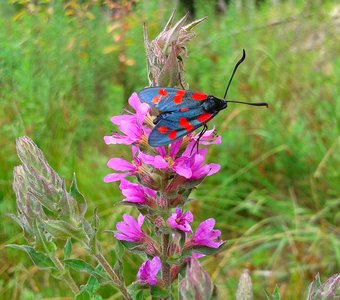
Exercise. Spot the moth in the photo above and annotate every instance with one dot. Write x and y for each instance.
(183, 111)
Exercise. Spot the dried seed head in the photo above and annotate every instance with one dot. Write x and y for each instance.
(165, 54)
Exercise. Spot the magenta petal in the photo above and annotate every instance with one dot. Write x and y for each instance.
(148, 271)
(189, 216)
(140, 220)
(134, 101)
(118, 120)
(180, 221)
(213, 168)
(120, 164)
(205, 235)
(119, 139)
(175, 146)
(116, 176)
(183, 170)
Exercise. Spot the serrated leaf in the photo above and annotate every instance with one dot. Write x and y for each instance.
(41, 260)
(67, 249)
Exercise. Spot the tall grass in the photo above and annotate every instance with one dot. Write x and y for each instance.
(276, 198)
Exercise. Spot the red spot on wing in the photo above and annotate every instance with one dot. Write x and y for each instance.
(183, 122)
(179, 96)
(184, 109)
(163, 129)
(199, 96)
(178, 99)
(172, 134)
(204, 117)
(163, 92)
(156, 99)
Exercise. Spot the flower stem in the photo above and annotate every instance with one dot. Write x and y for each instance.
(165, 266)
(66, 275)
(115, 279)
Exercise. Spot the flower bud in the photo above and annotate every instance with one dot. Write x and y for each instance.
(245, 288)
(197, 283)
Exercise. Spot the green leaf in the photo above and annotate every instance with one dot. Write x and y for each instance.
(119, 250)
(46, 242)
(274, 296)
(64, 230)
(133, 247)
(82, 266)
(83, 295)
(41, 260)
(74, 192)
(159, 292)
(208, 250)
(178, 260)
(93, 244)
(67, 249)
(136, 291)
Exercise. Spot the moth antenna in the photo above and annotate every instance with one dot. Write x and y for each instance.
(235, 68)
(249, 103)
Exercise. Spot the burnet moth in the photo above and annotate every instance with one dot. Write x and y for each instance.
(182, 111)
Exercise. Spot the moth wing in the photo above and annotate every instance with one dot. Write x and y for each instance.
(176, 125)
(171, 99)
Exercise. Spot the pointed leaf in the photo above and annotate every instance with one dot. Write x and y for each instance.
(67, 249)
(41, 260)
(194, 24)
(313, 287)
(83, 295)
(274, 296)
(74, 192)
(82, 266)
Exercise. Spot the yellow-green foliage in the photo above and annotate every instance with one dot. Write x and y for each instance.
(65, 70)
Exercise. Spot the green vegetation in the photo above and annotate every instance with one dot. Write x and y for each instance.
(65, 71)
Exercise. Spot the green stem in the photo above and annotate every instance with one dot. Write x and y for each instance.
(66, 275)
(166, 276)
(115, 279)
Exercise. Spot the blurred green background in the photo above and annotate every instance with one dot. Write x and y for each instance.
(66, 67)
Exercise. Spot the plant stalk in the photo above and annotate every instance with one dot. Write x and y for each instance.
(166, 276)
(115, 279)
(66, 275)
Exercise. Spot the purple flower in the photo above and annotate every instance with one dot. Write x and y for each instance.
(119, 164)
(130, 125)
(130, 230)
(188, 165)
(180, 221)
(148, 271)
(206, 236)
(136, 193)
(193, 167)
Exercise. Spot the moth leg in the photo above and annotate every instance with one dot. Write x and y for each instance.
(196, 144)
